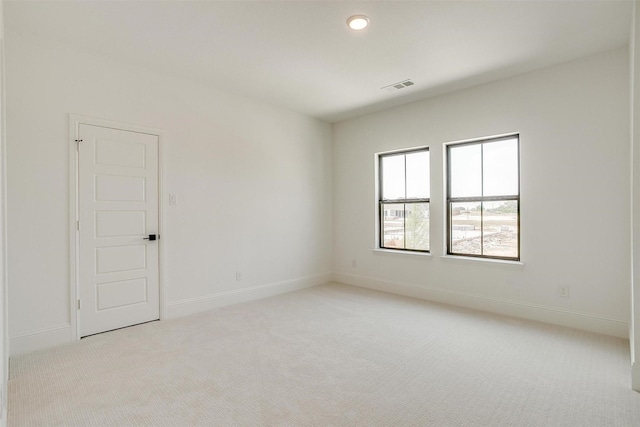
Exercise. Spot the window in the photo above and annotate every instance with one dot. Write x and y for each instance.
(483, 198)
(404, 200)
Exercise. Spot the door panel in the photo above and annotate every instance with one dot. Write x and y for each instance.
(119, 294)
(120, 223)
(116, 259)
(117, 209)
(110, 188)
(110, 152)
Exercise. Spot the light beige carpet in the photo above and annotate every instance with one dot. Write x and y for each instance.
(332, 355)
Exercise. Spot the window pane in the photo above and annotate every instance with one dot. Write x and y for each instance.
(393, 177)
(393, 225)
(465, 228)
(466, 179)
(417, 226)
(500, 229)
(418, 175)
(500, 168)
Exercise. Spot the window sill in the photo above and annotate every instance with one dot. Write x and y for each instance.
(486, 261)
(403, 253)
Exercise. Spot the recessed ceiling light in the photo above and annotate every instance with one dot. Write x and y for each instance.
(358, 22)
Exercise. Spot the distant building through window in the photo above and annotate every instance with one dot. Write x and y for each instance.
(404, 191)
(483, 198)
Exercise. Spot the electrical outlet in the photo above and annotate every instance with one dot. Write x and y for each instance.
(354, 263)
(563, 291)
(238, 276)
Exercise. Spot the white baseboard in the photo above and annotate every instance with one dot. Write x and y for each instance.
(635, 376)
(39, 339)
(195, 305)
(587, 322)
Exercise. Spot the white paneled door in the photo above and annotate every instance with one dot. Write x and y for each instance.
(118, 220)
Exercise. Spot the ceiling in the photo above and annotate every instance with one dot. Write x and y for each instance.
(301, 55)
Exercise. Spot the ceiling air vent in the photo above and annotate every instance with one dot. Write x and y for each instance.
(397, 86)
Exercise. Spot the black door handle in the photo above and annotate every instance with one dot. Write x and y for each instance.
(151, 237)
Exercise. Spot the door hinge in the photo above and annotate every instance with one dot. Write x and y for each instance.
(78, 225)
(78, 141)
(78, 304)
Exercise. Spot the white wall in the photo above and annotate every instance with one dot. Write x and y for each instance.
(574, 136)
(253, 185)
(4, 336)
(634, 330)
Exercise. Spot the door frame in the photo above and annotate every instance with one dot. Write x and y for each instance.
(75, 121)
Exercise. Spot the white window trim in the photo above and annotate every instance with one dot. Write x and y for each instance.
(376, 202)
(445, 222)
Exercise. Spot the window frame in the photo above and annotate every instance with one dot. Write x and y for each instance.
(405, 201)
(480, 199)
